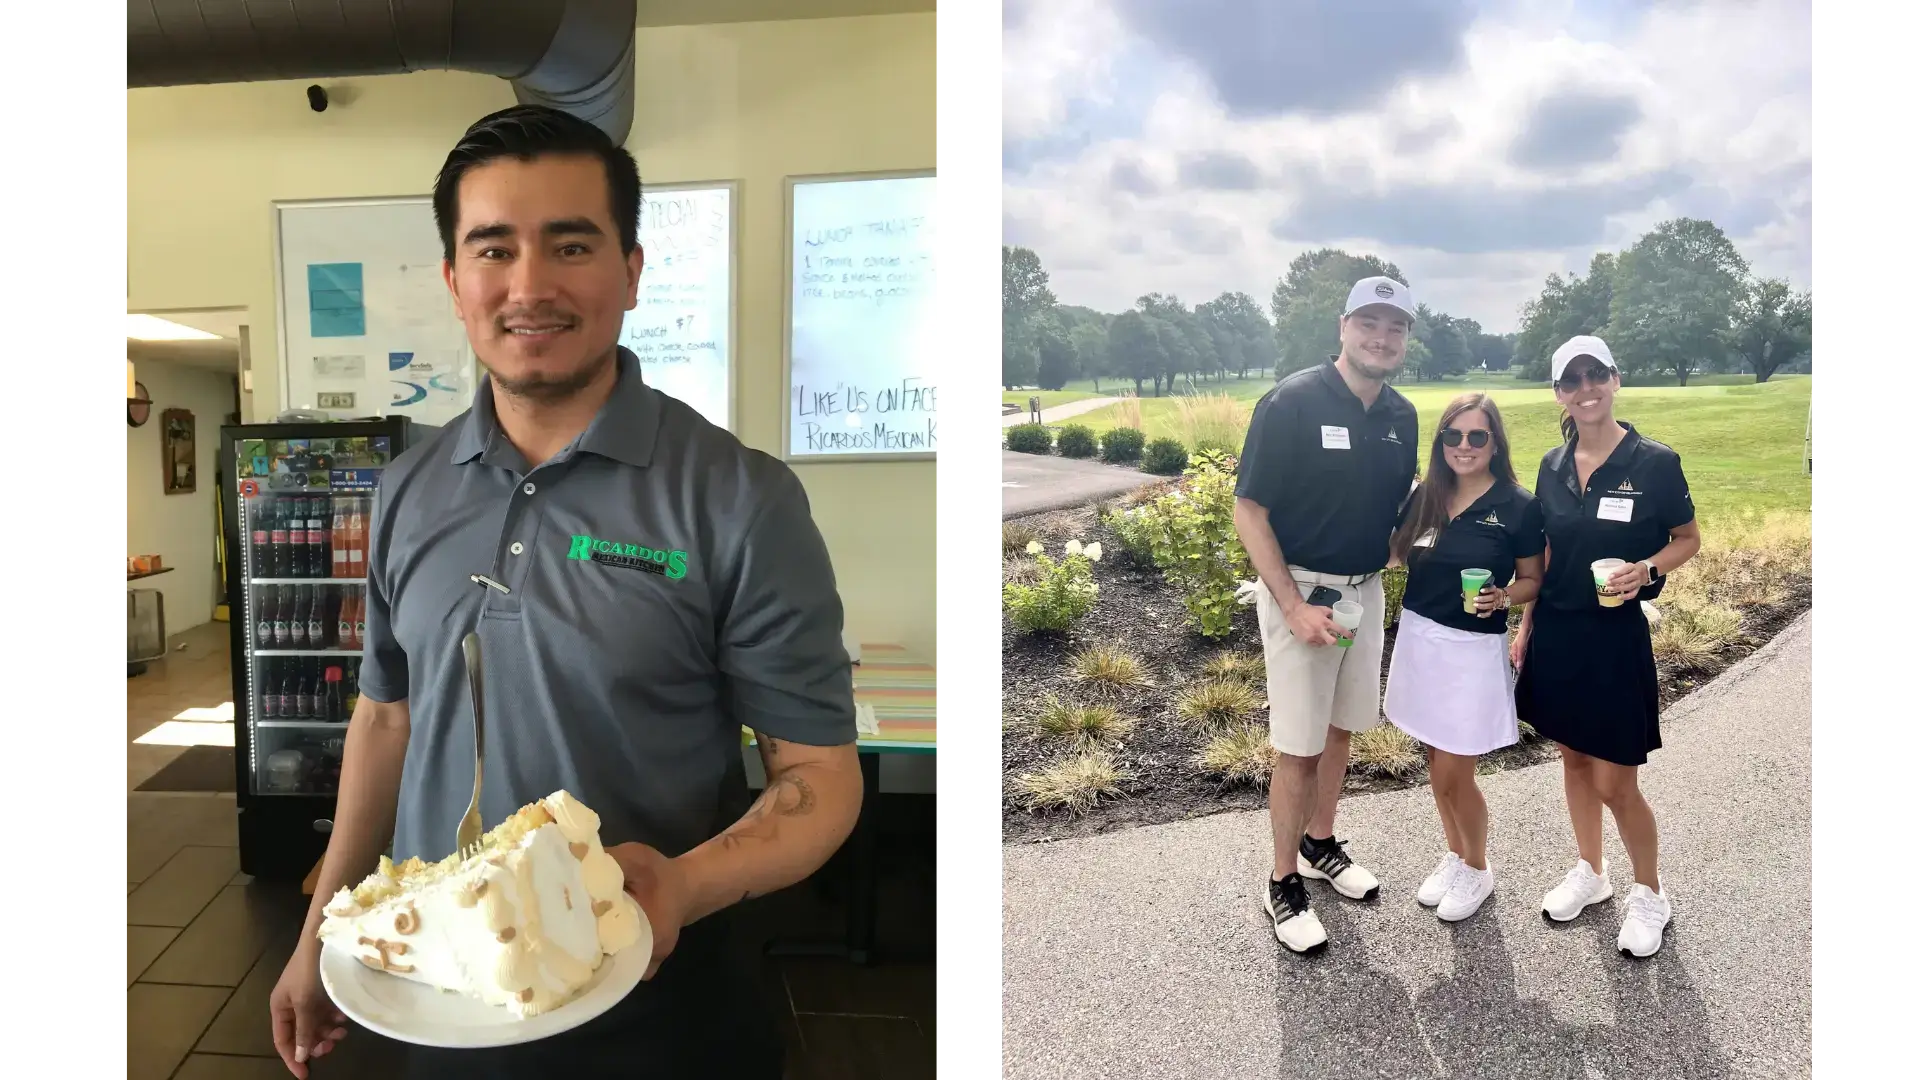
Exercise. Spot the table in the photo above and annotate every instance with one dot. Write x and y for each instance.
(138, 664)
(898, 689)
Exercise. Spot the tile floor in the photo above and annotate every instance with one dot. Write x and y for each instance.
(206, 943)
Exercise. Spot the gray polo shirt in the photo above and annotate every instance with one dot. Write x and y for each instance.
(668, 586)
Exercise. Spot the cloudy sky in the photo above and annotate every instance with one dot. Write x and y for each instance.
(1195, 146)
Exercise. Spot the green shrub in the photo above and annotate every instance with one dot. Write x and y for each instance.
(1136, 528)
(1394, 583)
(1076, 441)
(1165, 457)
(1122, 445)
(1198, 547)
(1063, 592)
(1030, 439)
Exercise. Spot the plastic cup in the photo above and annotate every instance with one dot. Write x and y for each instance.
(1346, 614)
(1602, 570)
(1471, 582)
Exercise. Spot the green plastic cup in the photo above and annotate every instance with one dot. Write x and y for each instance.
(1471, 582)
(1346, 614)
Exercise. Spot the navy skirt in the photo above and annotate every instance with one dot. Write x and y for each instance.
(1588, 682)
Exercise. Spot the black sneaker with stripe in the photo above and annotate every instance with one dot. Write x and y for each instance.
(1294, 923)
(1327, 860)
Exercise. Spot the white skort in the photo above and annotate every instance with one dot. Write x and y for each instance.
(1451, 689)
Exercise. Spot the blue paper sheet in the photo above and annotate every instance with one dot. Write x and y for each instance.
(336, 300)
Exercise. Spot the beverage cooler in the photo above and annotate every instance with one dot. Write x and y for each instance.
(297, 517)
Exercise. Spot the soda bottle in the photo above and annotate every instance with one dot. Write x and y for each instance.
(344, 624)
(262, 535)
(359, 617)
(303, 694)
(297, 622)
(277, 541)
(356, 540)
(269, 696)
(319, 538)
(338, 540)
(283, 618)
(289, 690)
(335, 707)
(263, 617)
(319, 617)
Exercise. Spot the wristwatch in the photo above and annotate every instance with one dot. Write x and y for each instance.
(1653, 572)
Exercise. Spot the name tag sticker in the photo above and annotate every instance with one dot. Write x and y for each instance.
(1616, 510)
(1334, 438)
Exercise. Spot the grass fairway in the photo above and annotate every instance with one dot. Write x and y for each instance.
(1048, 398)
(1741, 443)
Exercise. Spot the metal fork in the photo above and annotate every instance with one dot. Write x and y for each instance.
(467, 841)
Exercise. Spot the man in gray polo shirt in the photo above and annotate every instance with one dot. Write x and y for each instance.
(646, 586)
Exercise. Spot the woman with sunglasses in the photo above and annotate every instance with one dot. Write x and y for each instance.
(1619, 519)
(1471, 538)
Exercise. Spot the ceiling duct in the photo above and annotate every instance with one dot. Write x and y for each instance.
(575, 55)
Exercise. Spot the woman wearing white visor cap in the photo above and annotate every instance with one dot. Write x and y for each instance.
(1619, 519)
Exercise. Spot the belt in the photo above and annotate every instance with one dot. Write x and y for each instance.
(1309, 577)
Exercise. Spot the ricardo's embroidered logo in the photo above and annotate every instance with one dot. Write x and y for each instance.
(672, 564)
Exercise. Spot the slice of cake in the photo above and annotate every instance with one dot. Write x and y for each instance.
(523, 924)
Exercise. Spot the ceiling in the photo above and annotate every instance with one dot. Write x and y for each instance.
(699, 12)
(222, 355)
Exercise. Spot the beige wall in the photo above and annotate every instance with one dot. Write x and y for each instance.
(178, 528)
(753, 102)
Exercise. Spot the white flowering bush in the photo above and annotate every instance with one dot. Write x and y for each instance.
(1062, 593)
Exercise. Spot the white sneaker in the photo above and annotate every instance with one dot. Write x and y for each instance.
(1469, 890)
(1581, 889)
(1294, 923)
(1435, 887)
(1648, 913)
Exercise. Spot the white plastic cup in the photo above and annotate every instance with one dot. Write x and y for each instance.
(1602, 570)
(1346, 614)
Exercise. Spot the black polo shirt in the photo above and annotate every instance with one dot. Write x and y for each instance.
(1502, 527)
(1330, 472)
(1633, 501)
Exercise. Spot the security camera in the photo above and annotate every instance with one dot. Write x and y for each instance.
(317, 98)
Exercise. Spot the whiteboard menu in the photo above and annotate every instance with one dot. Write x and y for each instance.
(861, 343)
(682, 327)
(366, 325)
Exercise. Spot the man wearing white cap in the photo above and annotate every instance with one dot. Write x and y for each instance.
(1329, 458)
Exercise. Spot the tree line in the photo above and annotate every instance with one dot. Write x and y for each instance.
(1680, 301)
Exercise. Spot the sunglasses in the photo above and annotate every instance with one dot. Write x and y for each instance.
(1598, 375)
(1477, 438)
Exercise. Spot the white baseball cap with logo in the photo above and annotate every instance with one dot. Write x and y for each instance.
(1582, 345)
(1379, 290)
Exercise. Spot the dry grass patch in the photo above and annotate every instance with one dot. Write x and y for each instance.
(1218, 702)
(1249, 668)
(1385, 750)
(1747, 561)
(1019, 570)
(1106, 669)
(1074, 784)
(1693, 635)
(1015, 536)
(1127, 412)
(1083, 725)
(1211, 422)
(1240, 755)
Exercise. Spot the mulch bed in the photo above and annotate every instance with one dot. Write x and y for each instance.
(1140, 612)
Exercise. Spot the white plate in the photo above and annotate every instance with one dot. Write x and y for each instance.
(420, 1014)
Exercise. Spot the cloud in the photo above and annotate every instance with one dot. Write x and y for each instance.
(1575, 128)
(1220, 170)
(1517, 139)
(1267, 57)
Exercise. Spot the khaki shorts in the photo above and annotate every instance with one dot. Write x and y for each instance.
(1312, 687)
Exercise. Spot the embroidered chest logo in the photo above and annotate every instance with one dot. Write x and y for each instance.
(1625, 488)
(1492, 518)
(1391, 436)
(671, 564)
